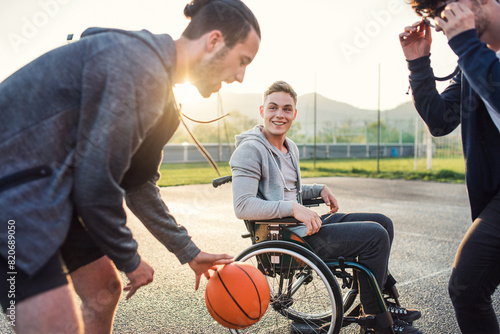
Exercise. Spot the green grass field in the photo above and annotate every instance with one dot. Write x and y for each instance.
(443, 170)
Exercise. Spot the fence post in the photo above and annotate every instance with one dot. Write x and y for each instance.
(185, 146)
(429, 150)
(415, 145)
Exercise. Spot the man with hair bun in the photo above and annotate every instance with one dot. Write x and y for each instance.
(472, 101)
(82, 129)
(234, 21)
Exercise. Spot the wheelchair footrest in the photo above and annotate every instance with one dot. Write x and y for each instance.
(369, 322)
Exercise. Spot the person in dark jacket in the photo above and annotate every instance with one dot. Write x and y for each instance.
(472, 100)
(81, 129)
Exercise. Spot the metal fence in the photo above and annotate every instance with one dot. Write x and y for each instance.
(182, 153)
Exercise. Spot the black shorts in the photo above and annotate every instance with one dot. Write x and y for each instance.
(78, 250)
(21, 286)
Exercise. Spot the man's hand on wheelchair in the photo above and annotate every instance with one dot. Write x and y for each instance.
(308, 217)
(203, 262)
(329, 199)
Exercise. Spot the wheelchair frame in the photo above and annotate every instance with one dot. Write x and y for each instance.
(290, 264)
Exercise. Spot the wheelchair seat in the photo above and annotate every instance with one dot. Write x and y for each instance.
(278, 228)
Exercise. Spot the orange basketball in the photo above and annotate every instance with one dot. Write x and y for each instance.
(237, 295)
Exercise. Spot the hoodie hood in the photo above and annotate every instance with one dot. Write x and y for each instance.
(96, 30)
(256, 134)
(161, 44)
(252, 134)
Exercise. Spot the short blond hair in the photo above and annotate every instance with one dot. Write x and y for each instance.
(280, 86)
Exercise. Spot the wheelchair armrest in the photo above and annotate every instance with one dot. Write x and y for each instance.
(313, 201)
(281, 221)
(275, 229)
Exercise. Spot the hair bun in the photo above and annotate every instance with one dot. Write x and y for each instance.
(194, 6)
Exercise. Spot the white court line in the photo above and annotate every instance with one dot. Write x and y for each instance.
(425, 277)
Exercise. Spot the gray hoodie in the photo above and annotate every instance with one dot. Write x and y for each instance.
(83, 111)
(258, 182)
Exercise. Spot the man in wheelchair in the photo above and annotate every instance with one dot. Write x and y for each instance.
(267, 185)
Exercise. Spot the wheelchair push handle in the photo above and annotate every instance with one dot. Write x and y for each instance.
(221, 180)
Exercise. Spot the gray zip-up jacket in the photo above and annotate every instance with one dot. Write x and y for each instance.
(258, 183)
(71, 122)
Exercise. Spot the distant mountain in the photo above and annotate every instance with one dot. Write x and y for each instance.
(327, 110)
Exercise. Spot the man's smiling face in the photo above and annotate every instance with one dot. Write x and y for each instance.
(278, 113)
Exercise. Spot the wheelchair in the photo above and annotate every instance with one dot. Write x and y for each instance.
(308, 294)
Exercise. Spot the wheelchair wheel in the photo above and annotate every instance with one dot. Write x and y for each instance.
(304, 293)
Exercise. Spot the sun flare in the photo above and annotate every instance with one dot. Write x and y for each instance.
(186, 93)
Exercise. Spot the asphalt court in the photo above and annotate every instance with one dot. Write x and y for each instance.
(430, 220)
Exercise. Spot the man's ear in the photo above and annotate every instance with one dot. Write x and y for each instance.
(214, 40)
(261, 109)
(295, 115)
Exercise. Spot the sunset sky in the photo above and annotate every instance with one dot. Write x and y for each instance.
(335, 46)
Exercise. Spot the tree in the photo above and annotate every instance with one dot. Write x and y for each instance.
(388, 134)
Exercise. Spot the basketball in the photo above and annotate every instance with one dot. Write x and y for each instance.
(237, 295)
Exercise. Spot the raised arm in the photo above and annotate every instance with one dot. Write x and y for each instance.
(441, 112)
